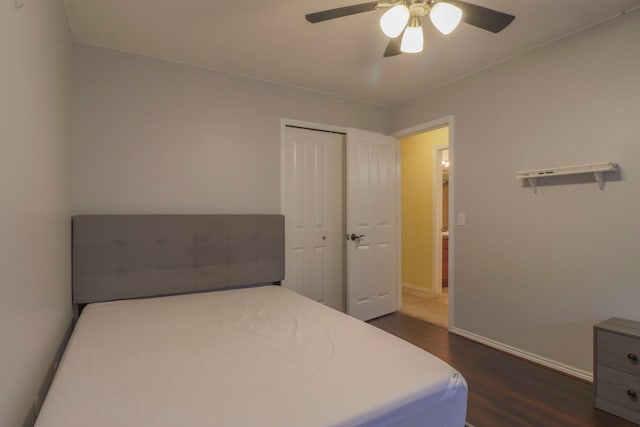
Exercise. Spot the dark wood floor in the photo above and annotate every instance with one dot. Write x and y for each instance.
(505, 391)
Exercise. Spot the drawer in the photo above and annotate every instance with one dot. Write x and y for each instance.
(618, 351)
(618, 388)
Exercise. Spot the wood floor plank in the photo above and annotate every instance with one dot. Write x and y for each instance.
(505, 391)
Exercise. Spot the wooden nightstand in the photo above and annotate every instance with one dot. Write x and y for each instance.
(616, 368)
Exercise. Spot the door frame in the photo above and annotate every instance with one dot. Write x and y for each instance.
(447, 121)
(436, 206)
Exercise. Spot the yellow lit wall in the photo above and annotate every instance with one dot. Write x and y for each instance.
(416, 153)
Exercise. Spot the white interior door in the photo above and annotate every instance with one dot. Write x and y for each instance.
(313, 208)
(372, 215)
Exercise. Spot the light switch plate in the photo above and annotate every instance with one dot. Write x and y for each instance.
(462, 218)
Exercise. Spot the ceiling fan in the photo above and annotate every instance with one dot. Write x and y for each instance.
(401, 23)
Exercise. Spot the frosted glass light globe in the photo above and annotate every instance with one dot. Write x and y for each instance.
(445, 17)
(413, 38)
(394, 20)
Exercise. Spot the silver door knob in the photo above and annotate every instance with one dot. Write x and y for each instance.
(356, 237)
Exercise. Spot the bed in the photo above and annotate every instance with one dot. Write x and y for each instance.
(184, 324)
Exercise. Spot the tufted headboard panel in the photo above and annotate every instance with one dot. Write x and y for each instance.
(133, 256)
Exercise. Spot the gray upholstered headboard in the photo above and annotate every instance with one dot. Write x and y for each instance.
(134, 256)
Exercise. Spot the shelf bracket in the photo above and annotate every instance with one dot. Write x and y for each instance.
(534, 184)
(600, 179)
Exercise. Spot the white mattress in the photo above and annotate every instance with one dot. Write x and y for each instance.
(253, 357)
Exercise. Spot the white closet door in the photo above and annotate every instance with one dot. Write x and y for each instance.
(313, 208)
(371, 220)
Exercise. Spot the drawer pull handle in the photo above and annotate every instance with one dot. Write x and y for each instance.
(632, 395)
(632, 357)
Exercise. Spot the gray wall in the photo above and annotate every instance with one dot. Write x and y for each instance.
(536, 271)
(533, 271)
(35, 188)
(153, 136)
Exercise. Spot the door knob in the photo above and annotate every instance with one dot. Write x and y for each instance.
(356, 237)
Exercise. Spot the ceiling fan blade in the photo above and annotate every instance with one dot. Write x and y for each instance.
(393, 48)
(326, 15)
(482, 17)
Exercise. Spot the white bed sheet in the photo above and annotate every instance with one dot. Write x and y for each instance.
(252, 357)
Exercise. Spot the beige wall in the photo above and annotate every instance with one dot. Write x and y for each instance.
(417, 173)
(156, 136)
(35, 187)
(536, 271)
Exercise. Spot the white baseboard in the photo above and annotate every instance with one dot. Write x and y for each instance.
(417, 287)
(552, 364)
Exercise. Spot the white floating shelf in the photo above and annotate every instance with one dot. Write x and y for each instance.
(597, 169)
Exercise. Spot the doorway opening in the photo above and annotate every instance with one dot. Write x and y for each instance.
(424, 224)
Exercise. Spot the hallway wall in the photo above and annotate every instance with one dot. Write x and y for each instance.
(417, 170)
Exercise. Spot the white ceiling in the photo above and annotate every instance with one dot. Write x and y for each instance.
(271, 40)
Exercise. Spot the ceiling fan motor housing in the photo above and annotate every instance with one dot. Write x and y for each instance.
(419, 8)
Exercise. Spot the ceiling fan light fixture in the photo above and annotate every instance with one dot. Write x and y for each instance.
(445, 17)
(413, 38)
(394, 20)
